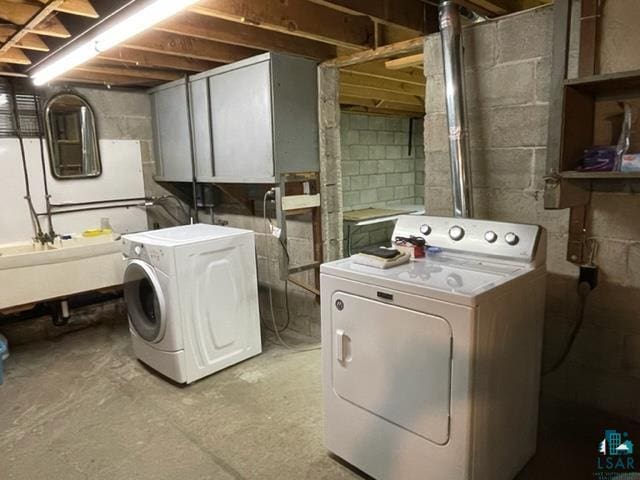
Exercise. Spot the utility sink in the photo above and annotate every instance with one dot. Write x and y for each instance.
(31, 272)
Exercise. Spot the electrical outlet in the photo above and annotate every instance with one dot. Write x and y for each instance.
(589, 274)
(275, 231)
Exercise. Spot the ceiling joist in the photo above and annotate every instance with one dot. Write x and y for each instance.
(149, 74)
(405, 62)
(378, 70)
(82, 8)
(29, 41)
(190, 47)
(249, 36)
(294, 17)
(352, 79)
(381, 95)
(14, 56)
(377, 104)
(408, 14)
(159, 60)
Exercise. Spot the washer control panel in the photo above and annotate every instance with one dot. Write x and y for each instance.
(509, 241)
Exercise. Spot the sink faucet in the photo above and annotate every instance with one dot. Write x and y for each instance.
(43, 238)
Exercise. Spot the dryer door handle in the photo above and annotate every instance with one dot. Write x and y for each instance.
(340, 345)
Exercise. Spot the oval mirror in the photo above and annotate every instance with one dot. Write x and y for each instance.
(73, 142)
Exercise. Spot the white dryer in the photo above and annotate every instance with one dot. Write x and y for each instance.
(431, 369)
(192, 299)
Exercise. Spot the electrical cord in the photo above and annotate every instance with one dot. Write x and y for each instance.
(587, 281)
(583, 292)
(286, 282)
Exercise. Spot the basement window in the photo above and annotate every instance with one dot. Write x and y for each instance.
(26, 103)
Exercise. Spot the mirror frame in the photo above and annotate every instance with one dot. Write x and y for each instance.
(49, 134)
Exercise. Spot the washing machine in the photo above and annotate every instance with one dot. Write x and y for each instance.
(192, 299)
(431, 369)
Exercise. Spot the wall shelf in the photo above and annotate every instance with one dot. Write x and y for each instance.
(608, 85)
(575, 175)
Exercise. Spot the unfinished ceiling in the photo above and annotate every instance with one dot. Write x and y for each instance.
(215, 32)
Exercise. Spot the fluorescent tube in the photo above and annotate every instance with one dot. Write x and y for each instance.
(126, 28)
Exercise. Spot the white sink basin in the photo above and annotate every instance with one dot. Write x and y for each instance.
(30, 272)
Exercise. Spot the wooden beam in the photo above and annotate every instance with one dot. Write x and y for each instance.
(249, 36)
(389, 112)
(408, 14)
(81, 8)
(14, 56)
(102, 79)
(405, 62)
(294, 17)
(381, 95)
(354, 80)
(377, 70)
(401, 48)
(157, 60)
(364, 102)
(483, 7)
(32, 18)
(36, 17)
(190, 47)
(51, 27)
(29, 41)
(501, 7)
(149, 74)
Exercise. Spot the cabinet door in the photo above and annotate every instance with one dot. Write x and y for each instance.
(242, 123)
(171, 134)
(201, 128)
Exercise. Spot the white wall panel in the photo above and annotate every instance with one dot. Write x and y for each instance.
(121, 178)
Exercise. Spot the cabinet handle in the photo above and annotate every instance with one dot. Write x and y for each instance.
(340, 345)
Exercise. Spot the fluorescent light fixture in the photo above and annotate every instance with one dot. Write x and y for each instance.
(4, 99)
(126, 28)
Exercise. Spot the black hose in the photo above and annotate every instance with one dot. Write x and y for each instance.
(583, 291)
(16, 118)
(47, 196)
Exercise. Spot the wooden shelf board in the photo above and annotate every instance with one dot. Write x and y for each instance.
(600, 175)
(607, 83)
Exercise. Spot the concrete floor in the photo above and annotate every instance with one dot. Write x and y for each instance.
(82, 407)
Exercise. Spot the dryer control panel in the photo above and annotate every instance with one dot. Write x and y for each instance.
(507, 241)
(151, 254)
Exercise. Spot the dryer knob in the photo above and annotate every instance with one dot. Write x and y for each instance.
(511, 238)
(491, 236)
(456, 233)
(137, 249)
(425, 229)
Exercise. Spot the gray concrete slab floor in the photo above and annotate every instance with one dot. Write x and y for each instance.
(82, 407)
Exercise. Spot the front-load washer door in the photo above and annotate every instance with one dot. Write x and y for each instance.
(145, 301)
(393, 362)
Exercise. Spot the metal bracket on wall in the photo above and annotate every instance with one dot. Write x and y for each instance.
(561, 192)
(298, 194)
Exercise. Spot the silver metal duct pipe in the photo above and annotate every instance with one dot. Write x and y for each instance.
(452, 56)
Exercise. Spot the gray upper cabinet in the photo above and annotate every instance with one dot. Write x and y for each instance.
(171, 132)
(252, 121)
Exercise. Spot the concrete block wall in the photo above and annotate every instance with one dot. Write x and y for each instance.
(377, 169)
(508, 64)
(303, 309)
(126, 115)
